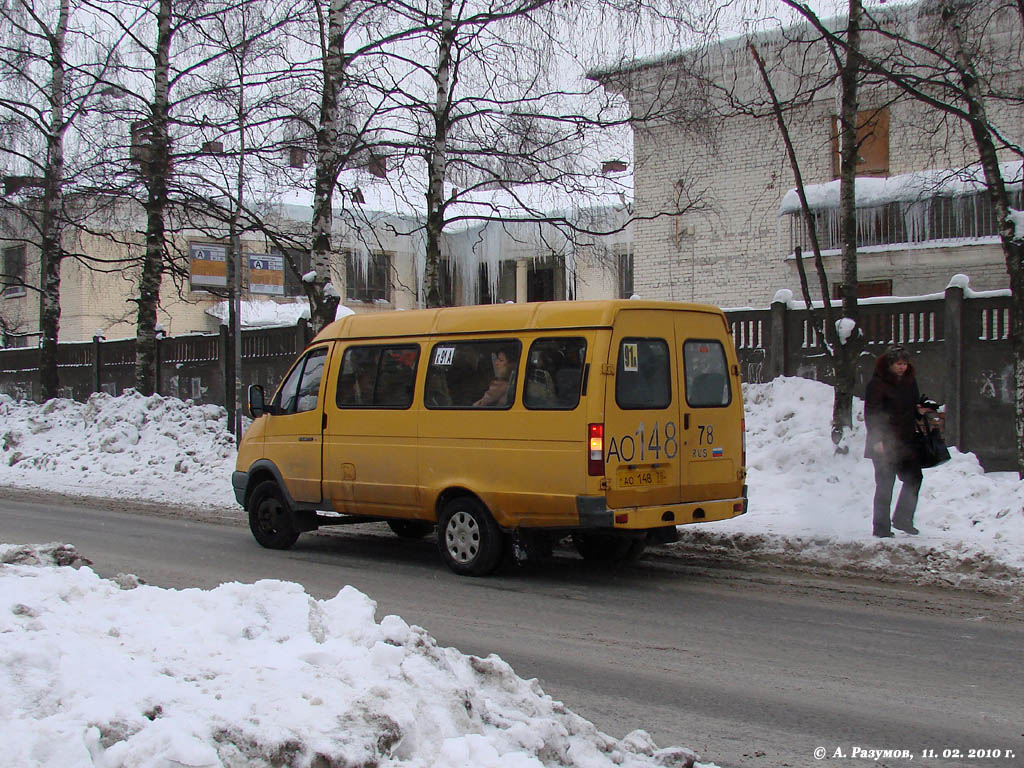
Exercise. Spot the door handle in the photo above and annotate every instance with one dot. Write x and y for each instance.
(686, 421)
(306, 439)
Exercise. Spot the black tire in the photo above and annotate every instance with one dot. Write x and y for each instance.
(607, 548)
(410, 529)
(471, 543)
(270, 519)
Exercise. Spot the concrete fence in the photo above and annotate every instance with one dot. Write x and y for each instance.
(191, 367)
(960, 347)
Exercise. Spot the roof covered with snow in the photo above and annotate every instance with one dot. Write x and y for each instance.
(908, 187)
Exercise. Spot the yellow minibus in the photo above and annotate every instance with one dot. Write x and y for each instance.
(505, 427)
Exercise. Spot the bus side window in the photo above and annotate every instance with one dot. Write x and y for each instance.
(300, 390)
(396, 376)
(378, 376)
(554, 372)
(312, 373)
(472, 374)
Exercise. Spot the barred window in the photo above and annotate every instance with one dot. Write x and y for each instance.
(12, 280)
(368, 278)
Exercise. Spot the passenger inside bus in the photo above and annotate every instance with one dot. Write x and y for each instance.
(500, 390)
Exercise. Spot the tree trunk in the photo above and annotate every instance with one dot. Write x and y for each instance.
(323, 301)
(847, 350)
(51, 245)
(437, 160)
(155, 169)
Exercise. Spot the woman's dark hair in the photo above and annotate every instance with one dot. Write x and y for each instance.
(509, 350)
(895, 353)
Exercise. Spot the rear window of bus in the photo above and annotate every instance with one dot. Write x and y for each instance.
(643, 378)
(707, 374)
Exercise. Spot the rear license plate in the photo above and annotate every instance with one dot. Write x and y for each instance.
(641, 478)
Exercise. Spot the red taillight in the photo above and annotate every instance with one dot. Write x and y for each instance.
(595, 455)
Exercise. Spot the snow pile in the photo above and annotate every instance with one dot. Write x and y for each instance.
(152, 448)
(1017, 217)
(812, 504)
(261, 313)
(808, 504)
(112, 673)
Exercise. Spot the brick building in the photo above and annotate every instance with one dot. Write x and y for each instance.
(714, 149)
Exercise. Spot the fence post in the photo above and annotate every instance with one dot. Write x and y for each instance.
(777, 338)
(224, 358)
(301, 335)
(954, 349)
(97, 362)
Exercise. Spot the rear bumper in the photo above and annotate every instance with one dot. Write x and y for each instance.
(594, 513)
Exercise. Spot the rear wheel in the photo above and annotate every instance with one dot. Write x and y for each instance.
(410, 529)
(270, 519)
(471, 543)
(607, 548)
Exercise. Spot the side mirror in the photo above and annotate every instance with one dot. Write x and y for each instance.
(257, 401)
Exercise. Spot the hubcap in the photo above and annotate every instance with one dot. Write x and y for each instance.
(269, 515)
(462, 537)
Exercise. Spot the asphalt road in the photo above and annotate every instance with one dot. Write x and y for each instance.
(747, 667)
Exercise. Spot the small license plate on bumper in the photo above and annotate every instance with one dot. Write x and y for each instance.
(641, 478)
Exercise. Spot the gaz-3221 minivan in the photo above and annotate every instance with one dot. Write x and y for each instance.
(507, 428)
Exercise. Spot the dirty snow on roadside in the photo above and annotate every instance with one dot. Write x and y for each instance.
(807, 503)
(115, 674)
(810, 504)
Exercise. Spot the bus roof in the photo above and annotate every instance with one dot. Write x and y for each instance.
(486, 318)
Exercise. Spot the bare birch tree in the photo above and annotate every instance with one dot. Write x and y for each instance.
(489, 123)
(48, 68)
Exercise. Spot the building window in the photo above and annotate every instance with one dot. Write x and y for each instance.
(142, 138)
(502, 287)
(866, 289)
(624, 268)
(296, 157)
(872, 143)
(367, 277)
(378, 166)
(445, 283)
(965, 217)
(13, 278)
(545, 279)
(297, 263)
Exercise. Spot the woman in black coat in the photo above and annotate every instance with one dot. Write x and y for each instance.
(891, 410)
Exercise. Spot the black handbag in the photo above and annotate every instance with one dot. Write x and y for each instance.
(931, 448)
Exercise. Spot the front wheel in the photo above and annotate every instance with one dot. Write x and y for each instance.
(270, 520)
(470, 542)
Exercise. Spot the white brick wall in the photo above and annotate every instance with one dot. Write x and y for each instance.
(730, 249)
